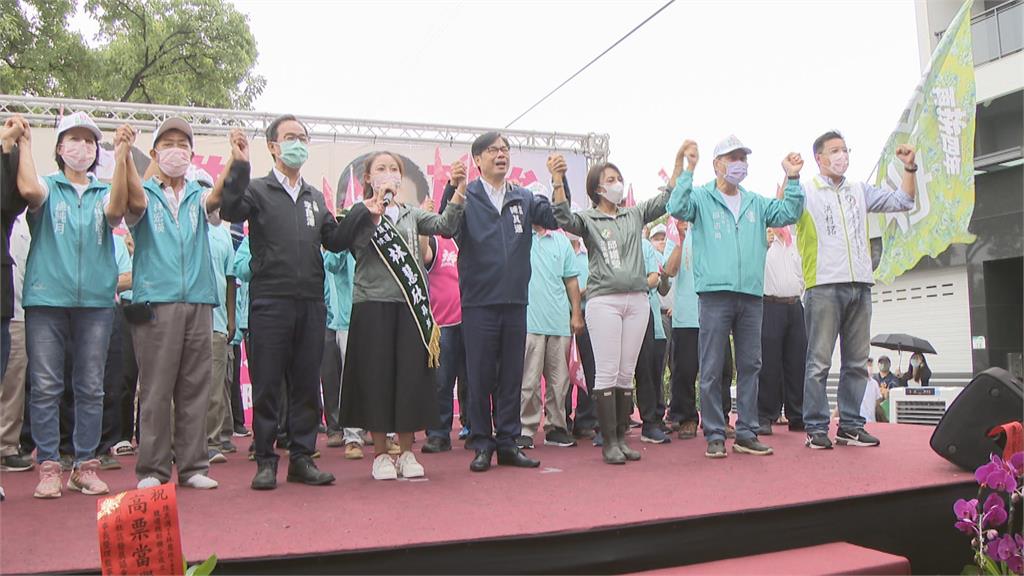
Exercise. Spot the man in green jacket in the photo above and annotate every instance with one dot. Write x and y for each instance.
(729, 245)
(174, 291)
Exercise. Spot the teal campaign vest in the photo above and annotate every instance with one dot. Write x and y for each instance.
(172, 258)
(71, 259)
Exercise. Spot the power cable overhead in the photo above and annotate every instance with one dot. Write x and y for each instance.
(588, 64)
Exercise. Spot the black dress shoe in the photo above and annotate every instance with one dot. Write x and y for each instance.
(266, 476)
(482, 461)
(304, 471)
(515, 457)
(435, 445)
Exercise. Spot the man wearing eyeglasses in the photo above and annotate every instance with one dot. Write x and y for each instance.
(832, 235)
(288, 223)
(494, 275)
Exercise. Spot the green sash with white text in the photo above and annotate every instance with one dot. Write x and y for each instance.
(410, 278)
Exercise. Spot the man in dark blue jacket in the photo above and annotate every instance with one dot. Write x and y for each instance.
(494, 278)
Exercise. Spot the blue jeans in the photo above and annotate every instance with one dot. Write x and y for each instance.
(452, 366)
(48, 333)
(832, 310)
(720, 314)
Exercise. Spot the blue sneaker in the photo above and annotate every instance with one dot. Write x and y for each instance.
(464, 433)
(654, 435)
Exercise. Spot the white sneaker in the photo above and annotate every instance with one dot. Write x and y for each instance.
(384, 468)
(201, 482)
(408, 467)
(122, 448)
(148, 482)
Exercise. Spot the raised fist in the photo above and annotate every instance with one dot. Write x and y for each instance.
(458, 174)
(26, 132)
(906, 153)
(17, 129)
(689, 152)
(792, 164)
(239, 145)
(125, 133)
(13, 128)
(557, 167)
(124, 138)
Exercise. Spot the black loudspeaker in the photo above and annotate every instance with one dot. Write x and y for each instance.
(992, 398)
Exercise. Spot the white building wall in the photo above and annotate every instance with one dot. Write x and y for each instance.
(929, 304)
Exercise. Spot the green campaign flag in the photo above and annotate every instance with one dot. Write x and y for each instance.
(939, 122)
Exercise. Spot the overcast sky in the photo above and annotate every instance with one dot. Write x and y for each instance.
(777, 74)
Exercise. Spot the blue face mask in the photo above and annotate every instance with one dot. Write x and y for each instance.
(735, 172)
(294, 153)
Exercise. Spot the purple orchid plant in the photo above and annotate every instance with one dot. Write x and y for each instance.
(998, 545)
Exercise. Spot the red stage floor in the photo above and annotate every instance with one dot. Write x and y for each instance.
(572, 491)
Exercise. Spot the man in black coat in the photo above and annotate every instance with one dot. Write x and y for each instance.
(288, 223)
(12, 205)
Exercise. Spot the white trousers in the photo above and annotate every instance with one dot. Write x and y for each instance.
(617, 324)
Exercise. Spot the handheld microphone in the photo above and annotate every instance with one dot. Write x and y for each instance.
(389, 196)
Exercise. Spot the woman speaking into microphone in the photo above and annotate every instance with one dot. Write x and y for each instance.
(394, 343)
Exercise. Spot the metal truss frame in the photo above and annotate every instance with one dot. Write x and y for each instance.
(211, 121)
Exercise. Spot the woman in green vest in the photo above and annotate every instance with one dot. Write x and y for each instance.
(70, 280)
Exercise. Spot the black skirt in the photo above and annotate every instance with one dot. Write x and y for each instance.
(387, 386)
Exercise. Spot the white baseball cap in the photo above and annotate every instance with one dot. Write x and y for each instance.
(173, 123)
(729, 145)
(78, 120)
(658, 229)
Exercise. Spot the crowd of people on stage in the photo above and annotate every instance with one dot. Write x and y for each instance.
(126, 306)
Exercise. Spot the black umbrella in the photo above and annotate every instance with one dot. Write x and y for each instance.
(903, 343)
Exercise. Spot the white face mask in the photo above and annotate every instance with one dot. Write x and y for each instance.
(915, 363)
(613, 192)
(839, 162)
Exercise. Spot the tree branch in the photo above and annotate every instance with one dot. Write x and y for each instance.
(161, 52)
(13, 66)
